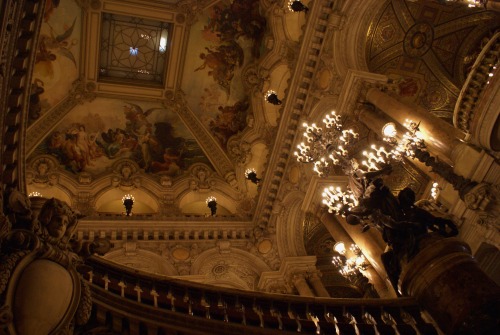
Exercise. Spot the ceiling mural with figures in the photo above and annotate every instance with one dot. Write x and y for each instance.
(58, 55)
(427, 49)
(226, 37)
(95, 135)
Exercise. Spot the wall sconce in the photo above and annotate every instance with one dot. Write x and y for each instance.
(272, 98)
(212, 204)
(297, 6)
(34, 194)
(128, 202)
(251, 175)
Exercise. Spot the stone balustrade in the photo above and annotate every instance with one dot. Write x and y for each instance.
(118, 230)
(131, 301)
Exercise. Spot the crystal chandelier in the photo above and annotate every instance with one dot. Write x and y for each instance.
(352, 265)
(326, 146)
(339, 202)
(412, 140)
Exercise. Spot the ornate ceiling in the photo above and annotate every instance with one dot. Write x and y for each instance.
(427, 49)
(129, 93)
(188, 116)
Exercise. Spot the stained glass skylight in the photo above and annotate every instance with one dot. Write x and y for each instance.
(133, 50)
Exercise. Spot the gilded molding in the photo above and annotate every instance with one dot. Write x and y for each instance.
(301, 83)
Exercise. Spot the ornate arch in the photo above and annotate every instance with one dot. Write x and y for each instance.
(231, 264)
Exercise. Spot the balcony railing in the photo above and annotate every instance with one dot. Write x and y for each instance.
(141, 303)
(485, 66)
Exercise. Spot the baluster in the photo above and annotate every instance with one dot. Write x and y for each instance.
(241, 308)
(222, 304)
(155, 296)
(370, 320)
(349, 318)
(122, 286)
(333, 320)
(277, 315)
(106, 281)
(315, 320)
(91, 276)
(389, 320)
(295, 317)
(409, 320)
(258, 311)
(205, 304)
(139, 290)
(171, 297)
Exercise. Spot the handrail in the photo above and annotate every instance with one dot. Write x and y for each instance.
(476, 82)
(139, 290)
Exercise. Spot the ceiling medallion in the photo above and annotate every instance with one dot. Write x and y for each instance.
(220, 269)
(418, 39)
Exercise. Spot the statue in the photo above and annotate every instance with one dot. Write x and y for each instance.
(37, 250)
(401, 223)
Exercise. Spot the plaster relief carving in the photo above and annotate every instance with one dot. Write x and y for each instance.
(201, 178)
(38, 250)
(42, 171)
(239, 150)
(254, 79)
(224, 247)
(126, 175)
(84, 178)
(84, 203)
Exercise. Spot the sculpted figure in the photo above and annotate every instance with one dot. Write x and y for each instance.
(57, 220)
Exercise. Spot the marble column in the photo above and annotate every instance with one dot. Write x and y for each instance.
(447, 281)
(439, 135)
(300, 283)
(317, 285)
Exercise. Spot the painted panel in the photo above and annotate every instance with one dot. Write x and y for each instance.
(57, 58)
(94, 135)
(226, 38)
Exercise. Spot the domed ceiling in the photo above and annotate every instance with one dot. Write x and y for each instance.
(158, 88)
(427, 48)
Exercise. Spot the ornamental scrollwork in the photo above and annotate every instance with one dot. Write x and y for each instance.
(37, 249)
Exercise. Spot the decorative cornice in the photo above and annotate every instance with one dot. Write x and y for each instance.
(300, 85)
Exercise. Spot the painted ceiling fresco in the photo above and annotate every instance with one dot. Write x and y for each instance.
(94, 135)
(427, 49)
(57, 57)
(226, 38)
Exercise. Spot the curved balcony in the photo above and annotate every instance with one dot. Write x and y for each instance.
(476, 110)
(138, 303)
